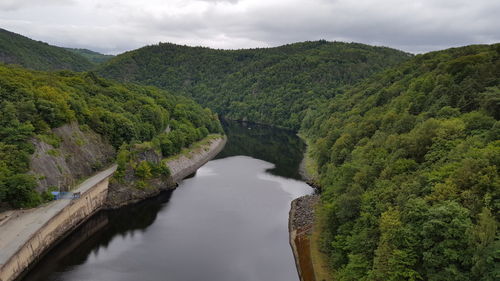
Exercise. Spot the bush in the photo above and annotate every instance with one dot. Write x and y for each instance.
(21, 191)
(143, 170)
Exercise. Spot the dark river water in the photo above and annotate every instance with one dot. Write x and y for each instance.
(228, 222)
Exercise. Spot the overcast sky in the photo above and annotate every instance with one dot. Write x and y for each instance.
(114, 26)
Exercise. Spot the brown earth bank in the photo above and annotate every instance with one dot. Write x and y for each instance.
(301, 221)
(125, 192)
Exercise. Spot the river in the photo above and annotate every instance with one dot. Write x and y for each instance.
(227, 222)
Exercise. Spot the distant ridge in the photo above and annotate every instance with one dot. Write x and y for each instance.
(268, 85)
(21, 50)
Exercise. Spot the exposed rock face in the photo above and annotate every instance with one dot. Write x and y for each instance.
(79, 155)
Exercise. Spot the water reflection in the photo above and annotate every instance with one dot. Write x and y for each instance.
(96, 234)
(228, 222)
(280, 147)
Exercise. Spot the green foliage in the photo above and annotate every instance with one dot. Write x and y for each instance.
(409, 162)
(143, 170)
(161, 169)
(20, 191)
(486, 247)
(272, 86)
(50, 138)
(122, 161)
(32, 103)
(17, 49)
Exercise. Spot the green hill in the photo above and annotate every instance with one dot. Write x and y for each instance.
(92, 56)
(409, 162)
(271, 86)
(33, 104)
(20, 50)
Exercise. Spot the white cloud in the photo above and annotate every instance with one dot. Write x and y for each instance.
(113, 26)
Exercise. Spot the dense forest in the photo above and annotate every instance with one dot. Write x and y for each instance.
(408, 156)
(32, 103)
(20, 50)
(409, 162)
(271, 85)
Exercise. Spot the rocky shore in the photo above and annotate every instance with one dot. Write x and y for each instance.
(302, 213)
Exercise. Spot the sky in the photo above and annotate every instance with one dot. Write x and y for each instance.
(115, 26)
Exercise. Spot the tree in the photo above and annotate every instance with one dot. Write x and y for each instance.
(21, 191)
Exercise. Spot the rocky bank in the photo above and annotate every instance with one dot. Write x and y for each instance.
(125, 192)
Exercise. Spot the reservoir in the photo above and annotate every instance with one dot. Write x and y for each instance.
(227, 222)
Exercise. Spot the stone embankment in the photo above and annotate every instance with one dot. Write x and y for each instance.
(185, 165)
(301, 221)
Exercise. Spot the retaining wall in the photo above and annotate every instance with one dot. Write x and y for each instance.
(68, 218)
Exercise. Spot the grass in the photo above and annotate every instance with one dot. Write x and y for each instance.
(319, 259)
(310, 165)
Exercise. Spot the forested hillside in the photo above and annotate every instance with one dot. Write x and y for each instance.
(33, 103)
(20, 50)
(409, 162)
(92, 56)
(272, 86)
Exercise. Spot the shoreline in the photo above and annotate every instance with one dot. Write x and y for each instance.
(181, 165)
(300, 225)
(302, 216)
(62, 217)
(304, 224)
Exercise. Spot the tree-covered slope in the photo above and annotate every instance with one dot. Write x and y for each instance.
(33, 104)
(20, 50)
(409, 162)
(272, 86)
(92, 56)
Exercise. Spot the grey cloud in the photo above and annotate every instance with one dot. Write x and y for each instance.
(221, 1)
(415, 26)
(12, 5)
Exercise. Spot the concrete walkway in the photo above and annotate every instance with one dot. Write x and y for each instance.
(20, 225)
